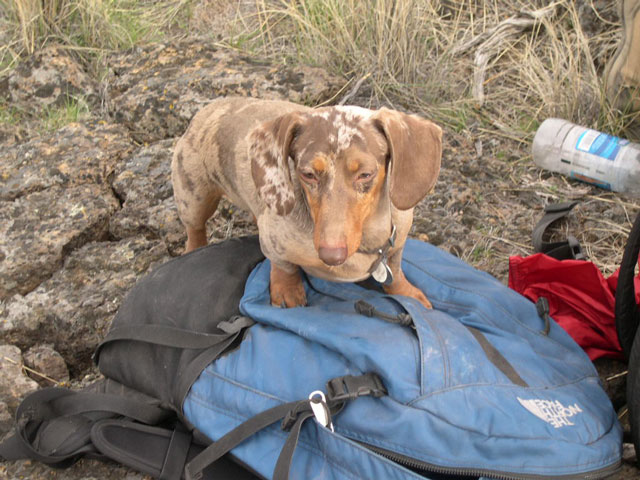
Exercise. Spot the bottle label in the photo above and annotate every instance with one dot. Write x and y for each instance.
(593, 181)
(600, 144)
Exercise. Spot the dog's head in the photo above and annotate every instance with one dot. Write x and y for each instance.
(346, 159)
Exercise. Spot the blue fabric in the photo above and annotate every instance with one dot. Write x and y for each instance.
(448, 405)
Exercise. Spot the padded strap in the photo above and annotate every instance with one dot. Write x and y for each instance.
(104, 402)
(157, 451)
(46, 417)
(567, 249)
(13, 448)
(176, 455)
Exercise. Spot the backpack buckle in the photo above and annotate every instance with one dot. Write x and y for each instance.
(575, 248)
(350, 387)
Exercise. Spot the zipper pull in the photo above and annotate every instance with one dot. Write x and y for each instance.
(320, 409)
(368, 310)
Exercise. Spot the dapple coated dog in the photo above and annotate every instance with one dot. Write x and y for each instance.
(332, 189)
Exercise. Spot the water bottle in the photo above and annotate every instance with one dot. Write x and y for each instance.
(587, 155)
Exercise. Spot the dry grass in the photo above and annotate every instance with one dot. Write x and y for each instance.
(421, 55)
(88, 28)
(411, 55)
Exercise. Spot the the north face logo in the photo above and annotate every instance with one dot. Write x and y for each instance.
(552, 412)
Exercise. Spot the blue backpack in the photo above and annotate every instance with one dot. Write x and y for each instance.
(484, 384)
(358, 384)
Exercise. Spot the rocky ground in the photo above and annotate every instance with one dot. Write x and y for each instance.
(88, 209)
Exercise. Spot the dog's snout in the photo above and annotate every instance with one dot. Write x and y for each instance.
(333, 255)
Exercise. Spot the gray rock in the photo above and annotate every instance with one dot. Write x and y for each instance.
(55, 195)
(77, 154)
(38, 230)
(6, 419)
(156, 90)
(73, 309)
(48, 367)
(14, 384)
(48, 77)
(11, 134)
(143, 184)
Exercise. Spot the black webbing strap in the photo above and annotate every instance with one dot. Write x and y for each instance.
(283, 465)
(565, 250)
(163, 335)
(193, 469)
(496, 358)
(293, 416)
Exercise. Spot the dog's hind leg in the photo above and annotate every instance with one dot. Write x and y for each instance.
(196, 217)
(196, 198)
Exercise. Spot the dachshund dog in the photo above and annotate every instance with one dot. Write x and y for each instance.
(332, 189)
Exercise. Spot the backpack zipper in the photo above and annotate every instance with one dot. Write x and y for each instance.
(420, 467)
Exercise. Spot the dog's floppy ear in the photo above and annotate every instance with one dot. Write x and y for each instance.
(415, 145)
(269, 146)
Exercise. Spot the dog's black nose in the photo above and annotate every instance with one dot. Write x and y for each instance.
(333, 256)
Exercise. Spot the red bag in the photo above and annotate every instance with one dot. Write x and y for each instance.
(580, 299)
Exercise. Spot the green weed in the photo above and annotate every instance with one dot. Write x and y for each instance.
(57, 116)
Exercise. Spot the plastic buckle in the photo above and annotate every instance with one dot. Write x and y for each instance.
(288, 420)
(351, 387)
(576, 248)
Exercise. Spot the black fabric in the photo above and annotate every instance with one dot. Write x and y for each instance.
(626, 310)
(176, 456)
(53, 424)
(633, 391)
(159, 452)
(564, 250)
(191, 293)
(164, 335)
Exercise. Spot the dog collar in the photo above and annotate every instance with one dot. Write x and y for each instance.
(380, 270)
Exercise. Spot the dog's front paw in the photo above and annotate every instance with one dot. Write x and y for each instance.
(286, 289)
(401, 286)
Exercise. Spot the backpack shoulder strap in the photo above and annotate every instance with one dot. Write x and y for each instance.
(57, 427)
(564, 250)
(172, 336)
(53, 425)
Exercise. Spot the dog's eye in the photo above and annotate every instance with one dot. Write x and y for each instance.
(309, 176)
(365, 176)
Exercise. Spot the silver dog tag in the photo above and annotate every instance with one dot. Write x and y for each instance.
(382, 273)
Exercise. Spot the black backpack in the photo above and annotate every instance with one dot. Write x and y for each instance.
(133, 416)
(627, 321)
